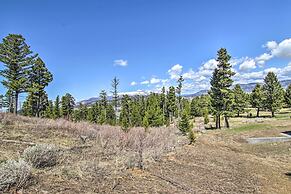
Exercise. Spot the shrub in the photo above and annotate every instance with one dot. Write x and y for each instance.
(41, 156)
(206, 118)
(192, 137)
(14, 174)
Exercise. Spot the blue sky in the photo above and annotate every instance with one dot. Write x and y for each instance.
(148, 43)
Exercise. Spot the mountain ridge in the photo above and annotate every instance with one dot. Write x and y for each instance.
(246, 87)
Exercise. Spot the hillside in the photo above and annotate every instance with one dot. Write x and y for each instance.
(107, 161)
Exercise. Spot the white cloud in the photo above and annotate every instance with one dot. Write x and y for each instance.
(145, 82)
(247, 64)
(155, 80)
(133, 83)
(175, 71)
(271, 45)
(261, 60)
(209, 65)
(283, 49)
(120, 62)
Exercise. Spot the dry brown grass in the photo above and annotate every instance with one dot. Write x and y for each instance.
(90, 152)
(103, 159)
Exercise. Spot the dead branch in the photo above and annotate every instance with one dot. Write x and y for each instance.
(17, 142)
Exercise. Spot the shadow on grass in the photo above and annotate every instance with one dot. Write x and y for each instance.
(210, 128)
(288, 174)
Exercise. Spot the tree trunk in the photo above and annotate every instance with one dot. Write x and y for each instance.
(238, 114)
(15, 103)
(216, 121)
(258, 112)
(219, 126)
(37, 106)
(226, 121)
(273, 113)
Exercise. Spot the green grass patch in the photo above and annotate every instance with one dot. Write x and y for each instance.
(250, 127)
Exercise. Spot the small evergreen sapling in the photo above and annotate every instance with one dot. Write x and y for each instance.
(184, 124)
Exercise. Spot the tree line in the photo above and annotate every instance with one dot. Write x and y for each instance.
(25, 72)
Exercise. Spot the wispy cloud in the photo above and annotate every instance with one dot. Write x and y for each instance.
(133, 83)
(120, 62)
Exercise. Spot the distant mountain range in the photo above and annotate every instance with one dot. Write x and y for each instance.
(246, 87)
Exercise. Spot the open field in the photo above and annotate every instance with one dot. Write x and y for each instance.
(106, 161)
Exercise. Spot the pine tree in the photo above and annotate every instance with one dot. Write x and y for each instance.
(171, 103)
(35, 106)
(114, 84)
(110, 115)
(125, 113)
(154, 111)
(145, 121)
(67, 106)
(184, 123)
(136, 118)
(220, 92)
(49, 111)
(103, 107)
(257, 98)
(163, 103)
(288, 96)
(195, 108)
(18, 59)
(39, 78)
(91, 115)
(27, 109)
(273, 92)
(239, 102)
(83, 112)
(179, 91)
(57, 112)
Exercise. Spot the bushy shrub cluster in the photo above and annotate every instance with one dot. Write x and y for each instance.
(14, 174)
(42, 155)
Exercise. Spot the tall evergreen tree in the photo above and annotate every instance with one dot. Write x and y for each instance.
(35, 106)
(154, 111)
(110, 115)
(257, 98)
(239, 103)
(288, 96)
(179, 91)
(273, 92)
(39, 78)
(136, 117)
(171, 103)
(220, 92)
(125, 121)
(163, 103)
(115, 98)
(18, 59)
(57, 111)
(103, 107)
(68, 104)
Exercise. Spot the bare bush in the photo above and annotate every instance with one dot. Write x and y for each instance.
(138, 147)
(41, 156)
(14, 174)
(132, 149)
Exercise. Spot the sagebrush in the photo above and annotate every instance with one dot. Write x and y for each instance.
(14, 174)
(42, 155)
